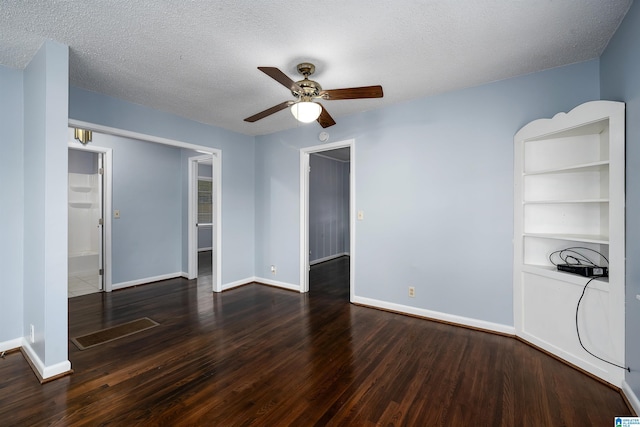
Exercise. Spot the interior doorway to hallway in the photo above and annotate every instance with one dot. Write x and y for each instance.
(204, 219)
(189, 242)
(327, 206)
(203, 214)
(85, 223)
(89, 194)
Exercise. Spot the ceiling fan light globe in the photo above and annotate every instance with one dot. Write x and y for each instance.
(306, 111)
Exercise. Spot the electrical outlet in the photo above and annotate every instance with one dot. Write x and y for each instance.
(32, 334)
(273, 269)
(412, 291)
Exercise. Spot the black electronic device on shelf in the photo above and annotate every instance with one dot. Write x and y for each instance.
(584, 270)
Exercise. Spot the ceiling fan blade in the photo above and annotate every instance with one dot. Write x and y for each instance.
(352, 93)
(281, 78)
(325, 118)
(268, 112)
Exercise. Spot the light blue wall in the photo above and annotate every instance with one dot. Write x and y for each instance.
(45, 202)
(277, 229)
(147, 190)
(434, 178)
(620, 81)
(11, 203)
(328, 207)
(237, 166)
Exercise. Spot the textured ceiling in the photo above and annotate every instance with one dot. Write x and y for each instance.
(198, 58)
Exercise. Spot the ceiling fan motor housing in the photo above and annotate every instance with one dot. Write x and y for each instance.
(310, 88)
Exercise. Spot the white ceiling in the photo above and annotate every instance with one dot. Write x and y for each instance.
(198, 58)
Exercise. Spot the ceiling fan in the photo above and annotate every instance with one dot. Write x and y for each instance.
(304, 107)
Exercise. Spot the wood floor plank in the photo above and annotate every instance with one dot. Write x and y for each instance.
(263, 356)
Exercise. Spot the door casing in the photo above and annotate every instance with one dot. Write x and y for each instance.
(304, 211)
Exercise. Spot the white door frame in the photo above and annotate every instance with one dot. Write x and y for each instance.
(107, 194)
(193, 213)
(304, 211)
(217, 165)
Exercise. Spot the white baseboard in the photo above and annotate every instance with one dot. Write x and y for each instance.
(137, 282)
(45, 372)
(241, 282)
(237, 283)
(606, 372)
(631, 397)
(328, 258)
(11, 344)
(436, 315)
(284, 285)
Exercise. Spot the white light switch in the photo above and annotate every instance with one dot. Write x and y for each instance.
(116, 213)
(360, 215)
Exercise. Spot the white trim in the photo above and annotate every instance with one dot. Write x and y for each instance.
(210, 248)
(606, 372)
(107, 194)
(284, 285)
(304, 211)
(137, 135)
(632, 398)
(328, 258)
(238, 283)
(43, 370)
(260, 281)
(146, 280)
(430, 314)
(13, 344)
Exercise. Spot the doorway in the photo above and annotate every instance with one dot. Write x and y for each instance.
(85, 222)
(212, 153)
(327, 232)
(204, 220)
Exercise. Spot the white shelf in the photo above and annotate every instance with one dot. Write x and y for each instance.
(80, 189)
(583, 129)
(82, 205)
(552, 202)
(584, 238)
(585, 167)
(601, 283)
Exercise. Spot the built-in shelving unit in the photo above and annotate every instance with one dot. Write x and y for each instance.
(84, 215)
(83, 190)
(569, 192)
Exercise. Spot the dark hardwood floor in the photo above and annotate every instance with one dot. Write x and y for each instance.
(262, 356)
